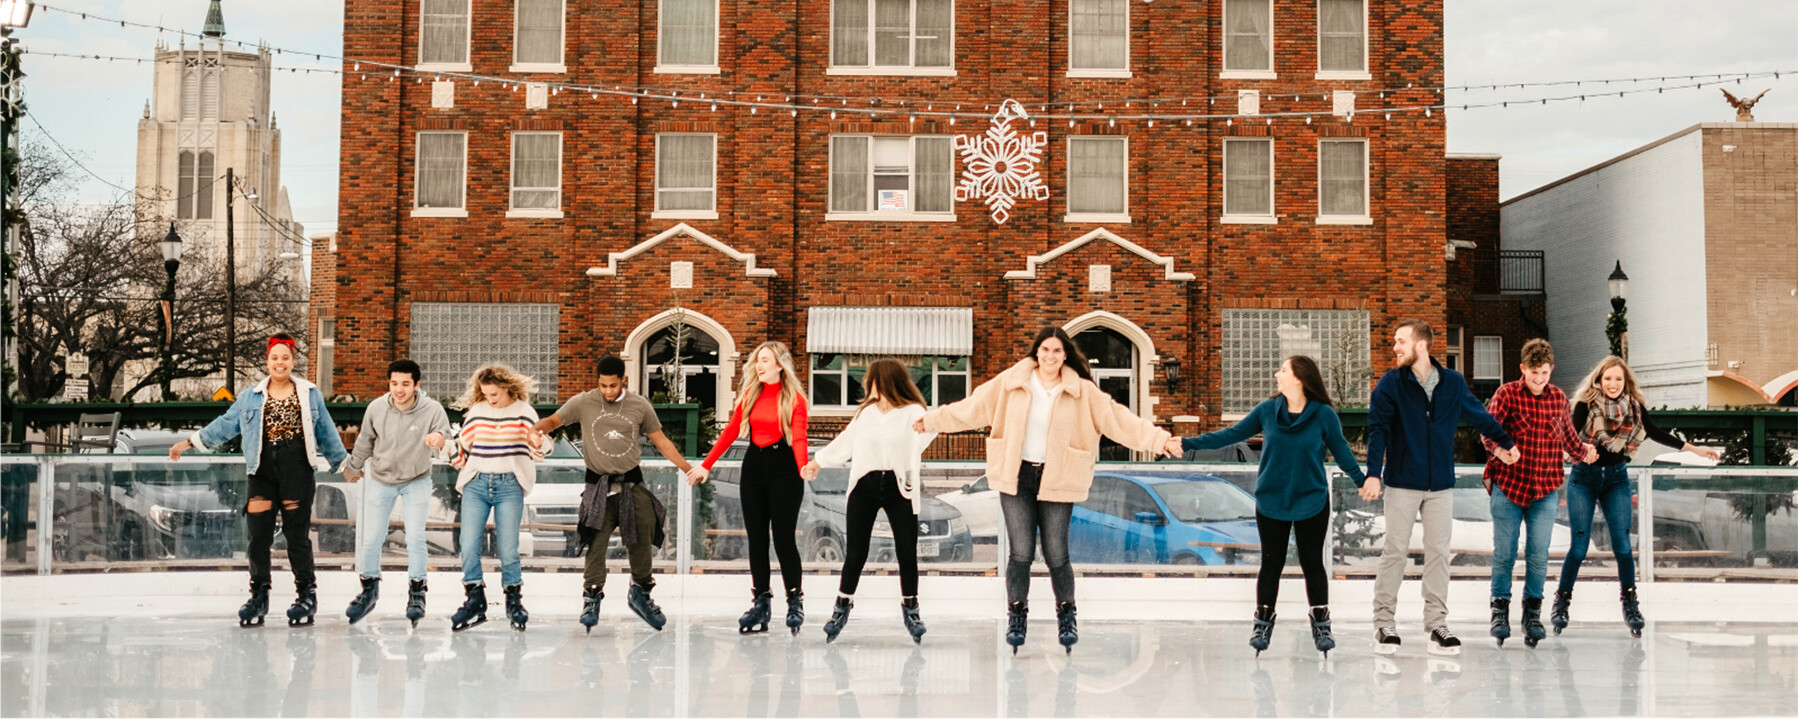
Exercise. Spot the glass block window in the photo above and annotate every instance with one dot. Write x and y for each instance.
(451, 340)
(1255, 342)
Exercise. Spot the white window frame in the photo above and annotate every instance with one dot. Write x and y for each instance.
(559, 67)
(858, 362)
(891, 70)
(1271, 218)
(664, 67)
(1223, 61)
(418, 167)
(1488, 343)
(467, 44)
(1123, 73)
(1452, 355)
(1363, 73)
(661, 214)
(878, 215)
(1122, 218)
(512, 188)
(1366, 217)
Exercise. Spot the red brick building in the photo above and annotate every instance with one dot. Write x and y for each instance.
(1496, 298)
(547, 224)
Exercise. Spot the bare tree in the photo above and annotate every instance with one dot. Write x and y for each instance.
(91, 279)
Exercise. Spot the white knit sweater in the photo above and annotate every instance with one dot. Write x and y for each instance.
(876, 441)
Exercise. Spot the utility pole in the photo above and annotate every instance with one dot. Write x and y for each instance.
(230, 283)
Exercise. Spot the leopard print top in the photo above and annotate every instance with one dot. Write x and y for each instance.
(281, 419)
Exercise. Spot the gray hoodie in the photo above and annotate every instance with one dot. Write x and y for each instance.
(392, 443)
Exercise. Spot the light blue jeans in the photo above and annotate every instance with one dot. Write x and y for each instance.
(372, 524)
(501, 495)
(1538, 520)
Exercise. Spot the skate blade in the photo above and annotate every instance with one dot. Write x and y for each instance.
(468, 626)
(1386, 649)
(1449, 651)
(250, 623)
(299, 622)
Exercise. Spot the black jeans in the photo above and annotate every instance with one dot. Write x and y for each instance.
(282, 483)
(1311, 534)
(874, 492)
(772, 491)
(1026, 518)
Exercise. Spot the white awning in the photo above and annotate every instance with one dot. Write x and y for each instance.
(891, 330)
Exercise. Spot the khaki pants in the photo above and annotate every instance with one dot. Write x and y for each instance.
(642, 553)
(1403, 508)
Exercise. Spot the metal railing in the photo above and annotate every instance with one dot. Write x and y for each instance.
(1521, 272)
(92, 512)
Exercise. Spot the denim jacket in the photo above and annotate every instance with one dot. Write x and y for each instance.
(245, 418)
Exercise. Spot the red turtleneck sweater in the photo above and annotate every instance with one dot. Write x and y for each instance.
(764, 426)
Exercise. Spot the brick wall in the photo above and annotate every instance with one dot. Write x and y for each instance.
(772, 191)
(1474, 301)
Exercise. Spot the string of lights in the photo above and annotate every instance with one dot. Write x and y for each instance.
(1148, 111)
(1144, 109)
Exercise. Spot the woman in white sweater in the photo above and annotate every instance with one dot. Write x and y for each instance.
(885, 456)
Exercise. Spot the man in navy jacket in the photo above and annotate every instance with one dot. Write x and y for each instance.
(1411, 423)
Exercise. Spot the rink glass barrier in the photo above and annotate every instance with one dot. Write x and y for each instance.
(94, 512)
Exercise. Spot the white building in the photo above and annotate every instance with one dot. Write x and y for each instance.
(1705, 224)
(209, 114)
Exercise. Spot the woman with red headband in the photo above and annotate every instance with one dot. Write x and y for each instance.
(285, 430)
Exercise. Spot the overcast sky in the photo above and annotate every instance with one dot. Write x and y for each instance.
(93, 107)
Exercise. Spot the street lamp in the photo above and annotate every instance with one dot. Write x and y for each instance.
(171, 261)
(1616, 327)
(16, 13)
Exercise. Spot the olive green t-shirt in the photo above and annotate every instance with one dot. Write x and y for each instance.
(611, 432)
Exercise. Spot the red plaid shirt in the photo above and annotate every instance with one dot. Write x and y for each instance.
(1543, 427)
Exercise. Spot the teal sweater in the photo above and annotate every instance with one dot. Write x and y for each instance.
(1292, 485)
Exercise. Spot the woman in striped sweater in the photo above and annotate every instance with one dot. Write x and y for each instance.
(496, 454)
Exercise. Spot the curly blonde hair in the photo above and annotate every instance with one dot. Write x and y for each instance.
(519, 386)
(749, 388)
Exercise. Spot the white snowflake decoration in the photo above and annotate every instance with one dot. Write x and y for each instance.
(1000, 165)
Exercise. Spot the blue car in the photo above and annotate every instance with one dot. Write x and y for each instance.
(1164, 519)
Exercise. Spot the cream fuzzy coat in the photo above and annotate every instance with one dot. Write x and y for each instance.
(1081, 412)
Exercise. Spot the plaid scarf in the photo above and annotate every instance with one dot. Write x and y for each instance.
(1615, 425)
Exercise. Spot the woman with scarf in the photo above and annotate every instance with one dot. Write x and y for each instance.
(1610, 414)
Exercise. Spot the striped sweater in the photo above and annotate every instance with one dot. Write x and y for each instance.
(496, 440)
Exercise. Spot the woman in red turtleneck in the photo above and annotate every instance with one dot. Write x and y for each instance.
(774, 402)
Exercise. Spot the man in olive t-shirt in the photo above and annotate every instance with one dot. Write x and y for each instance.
(613, 421)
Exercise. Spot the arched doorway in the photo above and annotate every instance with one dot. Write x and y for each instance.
(706, 360)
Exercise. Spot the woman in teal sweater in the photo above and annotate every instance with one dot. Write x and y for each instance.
(1292, 493)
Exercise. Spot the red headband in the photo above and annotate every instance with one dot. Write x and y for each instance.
(272, 341)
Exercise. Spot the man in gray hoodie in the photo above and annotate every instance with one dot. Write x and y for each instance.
(400, 431)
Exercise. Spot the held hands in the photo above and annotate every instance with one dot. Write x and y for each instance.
(350, 475)
(1370, 490)
(1591, 454)
(177, 449)
(1172, 448)
(697, 475)
(918, 426)
(809, 471)
(433, 440)
(1508, 456)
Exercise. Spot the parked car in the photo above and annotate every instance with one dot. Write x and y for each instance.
(942, 534)
(156, 510)
(1697, 519)
(1164, 519)
(978, 503)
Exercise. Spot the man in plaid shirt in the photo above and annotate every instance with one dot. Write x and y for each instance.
(1527, 493)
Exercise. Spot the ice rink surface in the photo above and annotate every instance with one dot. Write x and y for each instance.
(168, 645)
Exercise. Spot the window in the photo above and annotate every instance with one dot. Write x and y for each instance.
(892, 35)
(888, 176)
(1099, 38)
(1112, 360)
(686, 176)
(209, 96)
(1136, 500)
(1249, 38)
(836, 379)
(442, 174)
(443, 33)
(1249, 178)
(193, 187)
(327, 346)
(689, 36)
(1342, 180)
(1098, 179)
(1488, 358)
(190, 96)
(453, 339)
(1451, 349)
(1256, 341)
(537, 173)
(537, 36)
(1342, 40)
(1104, 496)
